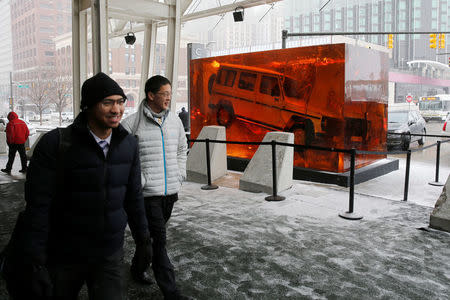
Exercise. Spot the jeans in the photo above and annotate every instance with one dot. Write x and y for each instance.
(13, 148)
(159, 210)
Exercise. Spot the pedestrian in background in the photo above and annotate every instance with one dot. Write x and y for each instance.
(16, 135)
(184, 116)
(78, 203)
(162, 149)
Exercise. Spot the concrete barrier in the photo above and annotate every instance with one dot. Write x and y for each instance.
(3, 144)
(33, 140)
(196, 160)
(257, 176)
(440, 217)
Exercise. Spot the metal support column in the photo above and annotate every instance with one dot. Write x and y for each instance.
(76, 84)
(99, 17)
(173, 46)
(148, 56)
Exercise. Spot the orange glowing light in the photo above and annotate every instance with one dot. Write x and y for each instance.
(330, 96)
(215, 64)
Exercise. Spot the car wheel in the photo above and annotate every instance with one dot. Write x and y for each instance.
(422, 139)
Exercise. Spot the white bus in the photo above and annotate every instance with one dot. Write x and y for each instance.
(435, 107)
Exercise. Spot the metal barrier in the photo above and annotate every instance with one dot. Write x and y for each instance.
(350, 214)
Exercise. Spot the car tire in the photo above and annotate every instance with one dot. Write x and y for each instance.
(422, 139)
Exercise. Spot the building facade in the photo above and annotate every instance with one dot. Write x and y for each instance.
(6, 65)
(34, 25)
(378, 16)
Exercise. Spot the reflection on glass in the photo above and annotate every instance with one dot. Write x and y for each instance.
(328, 96)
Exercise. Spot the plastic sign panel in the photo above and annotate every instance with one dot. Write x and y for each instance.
(330, 96)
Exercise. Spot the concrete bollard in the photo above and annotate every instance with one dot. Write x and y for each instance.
(196, 160)
(33, 142)
(257, 176)
(440, 217)
(3, 144)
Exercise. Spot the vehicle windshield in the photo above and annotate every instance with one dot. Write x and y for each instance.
(430, 105)
(398, 117)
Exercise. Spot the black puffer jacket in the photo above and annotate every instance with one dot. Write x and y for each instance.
(93, 196)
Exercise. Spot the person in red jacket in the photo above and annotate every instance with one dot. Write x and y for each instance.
(16, 135)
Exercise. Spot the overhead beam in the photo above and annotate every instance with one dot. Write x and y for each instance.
(224, 9)
(184, 5)
(84, 4)
(139, 11)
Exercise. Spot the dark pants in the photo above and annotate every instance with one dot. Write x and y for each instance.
(104, 279)
(13, 148)
(159, 209)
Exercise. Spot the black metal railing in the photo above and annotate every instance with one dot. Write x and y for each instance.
(349, 214)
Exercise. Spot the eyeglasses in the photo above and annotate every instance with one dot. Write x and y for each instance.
(111, 102)
(164, 94)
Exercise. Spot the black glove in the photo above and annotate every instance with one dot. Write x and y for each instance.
(41, 285)
(142, 256)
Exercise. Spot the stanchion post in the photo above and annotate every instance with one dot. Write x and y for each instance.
(350, 215)
(274, 196)
(438, 155)
(408, 166)
(209, 186)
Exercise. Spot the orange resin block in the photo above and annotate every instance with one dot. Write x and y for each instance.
(329, 96)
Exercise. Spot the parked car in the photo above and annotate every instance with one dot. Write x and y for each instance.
(3, 122)
(67, 116)
(401, 124)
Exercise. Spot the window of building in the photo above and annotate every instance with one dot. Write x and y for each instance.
(48, 53)
(45, 29)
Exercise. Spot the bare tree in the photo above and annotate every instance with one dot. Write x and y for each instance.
(39, 92)
(61, 90)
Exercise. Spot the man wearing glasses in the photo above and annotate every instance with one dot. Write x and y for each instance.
(78, 203)
(162, 149)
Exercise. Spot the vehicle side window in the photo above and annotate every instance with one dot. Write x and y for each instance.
(226, 77)
(269, 86)
(247, 81)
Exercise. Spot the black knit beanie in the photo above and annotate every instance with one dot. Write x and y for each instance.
(97, 88)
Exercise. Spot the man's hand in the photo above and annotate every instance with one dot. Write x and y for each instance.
(41, 285)
(142, 256)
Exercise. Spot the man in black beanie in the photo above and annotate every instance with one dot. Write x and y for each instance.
(83, 185)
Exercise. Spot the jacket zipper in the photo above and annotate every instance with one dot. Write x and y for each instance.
(164, 160)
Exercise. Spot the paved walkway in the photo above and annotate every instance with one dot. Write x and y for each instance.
(230, 244)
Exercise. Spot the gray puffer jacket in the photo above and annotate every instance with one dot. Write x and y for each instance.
(162, 150)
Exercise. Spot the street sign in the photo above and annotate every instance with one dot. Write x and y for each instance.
(409, 98)
(24, 86)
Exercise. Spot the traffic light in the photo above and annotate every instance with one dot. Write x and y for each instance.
(449, 62)
(390, 41)
(433, 40)
(442, 40)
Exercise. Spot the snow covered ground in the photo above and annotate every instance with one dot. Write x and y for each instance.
(230, 244)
